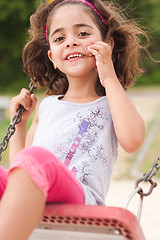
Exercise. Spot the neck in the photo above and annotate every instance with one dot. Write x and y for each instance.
(81, 90)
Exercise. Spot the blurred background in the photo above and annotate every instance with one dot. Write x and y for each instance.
(14, 23)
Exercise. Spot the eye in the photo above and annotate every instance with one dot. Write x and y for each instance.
(59, 39)
(83, 34)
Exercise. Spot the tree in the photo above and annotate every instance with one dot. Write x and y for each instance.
(146, 12)
(14, 22)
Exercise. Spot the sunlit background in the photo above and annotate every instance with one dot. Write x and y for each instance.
(14, 23)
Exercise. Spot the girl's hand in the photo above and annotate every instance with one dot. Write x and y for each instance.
(27, 100)
(104, 65)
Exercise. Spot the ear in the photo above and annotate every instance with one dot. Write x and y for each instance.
(50, 55)
(111, 42)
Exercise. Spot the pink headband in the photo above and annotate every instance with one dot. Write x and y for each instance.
(83, 1)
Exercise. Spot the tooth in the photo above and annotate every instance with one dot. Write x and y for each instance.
(74, 55)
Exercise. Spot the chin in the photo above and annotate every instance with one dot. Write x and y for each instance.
(81, 72)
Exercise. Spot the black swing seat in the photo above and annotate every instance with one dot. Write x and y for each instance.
(85, 222)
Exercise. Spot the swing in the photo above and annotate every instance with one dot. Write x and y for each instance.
(72, 221)
(61, 221)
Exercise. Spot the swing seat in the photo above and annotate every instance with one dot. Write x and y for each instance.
(85, 222)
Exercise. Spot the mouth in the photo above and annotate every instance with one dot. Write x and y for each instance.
(74, 56)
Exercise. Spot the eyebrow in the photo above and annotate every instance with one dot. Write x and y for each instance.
(79, 25)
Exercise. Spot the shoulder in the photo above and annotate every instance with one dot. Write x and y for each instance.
(103, 100)
(47, 103)
(102, 103)
(48, 100)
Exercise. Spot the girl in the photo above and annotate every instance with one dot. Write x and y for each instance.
(86, 53)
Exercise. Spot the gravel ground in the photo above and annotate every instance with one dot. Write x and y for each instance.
(147, 103)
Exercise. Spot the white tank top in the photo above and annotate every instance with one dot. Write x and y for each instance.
(82, 136)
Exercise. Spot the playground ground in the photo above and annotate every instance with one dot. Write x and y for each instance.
(122, 185)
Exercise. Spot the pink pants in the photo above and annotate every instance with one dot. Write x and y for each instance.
(54, 179)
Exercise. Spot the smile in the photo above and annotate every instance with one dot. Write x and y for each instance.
(74, 56)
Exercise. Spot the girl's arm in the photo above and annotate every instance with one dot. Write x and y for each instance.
(128, 124)
(17, 141)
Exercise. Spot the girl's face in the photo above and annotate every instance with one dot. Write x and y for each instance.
(71, 31)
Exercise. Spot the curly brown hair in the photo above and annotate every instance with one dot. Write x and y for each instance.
(128, 45)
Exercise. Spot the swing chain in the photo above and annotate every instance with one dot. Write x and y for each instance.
(147, 177)
(15, 120)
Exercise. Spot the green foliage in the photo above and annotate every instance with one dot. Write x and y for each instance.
(146, 13)
(3, 130)
(14, 23)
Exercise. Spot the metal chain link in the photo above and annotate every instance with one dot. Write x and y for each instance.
(11, 128)
(147, 177)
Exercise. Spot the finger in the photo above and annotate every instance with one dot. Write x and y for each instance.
(21, 101)
(25, 91)
(100, 43)
(103, 48)
(106, 46)
(25, 98)
(98, 55)
(94, 49)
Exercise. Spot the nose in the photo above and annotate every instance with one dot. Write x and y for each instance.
(69, 45)
(72, 42)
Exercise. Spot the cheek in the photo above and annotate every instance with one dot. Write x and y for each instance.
(93, 41)
(56, 53)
